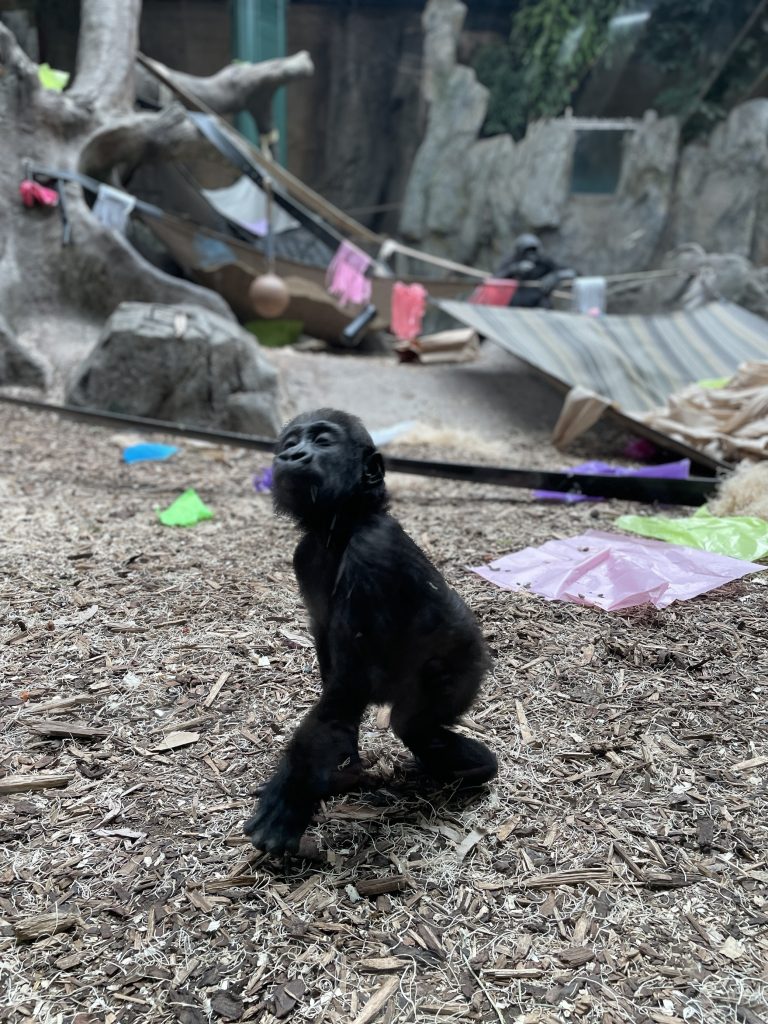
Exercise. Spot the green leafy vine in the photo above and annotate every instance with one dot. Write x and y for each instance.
(552, 46)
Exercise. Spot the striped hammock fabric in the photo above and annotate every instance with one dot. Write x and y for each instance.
(635, 362)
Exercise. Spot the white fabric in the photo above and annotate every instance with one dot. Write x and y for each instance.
(246, 203)
(113, 207)
(589, 295)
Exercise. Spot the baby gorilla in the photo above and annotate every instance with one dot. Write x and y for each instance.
(387, 627)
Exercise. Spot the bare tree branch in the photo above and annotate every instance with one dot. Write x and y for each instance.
(138, 138)
(51, 107)
(106, 52)
(236, 87)
(14, 61)
(93, 127)
(103, 269)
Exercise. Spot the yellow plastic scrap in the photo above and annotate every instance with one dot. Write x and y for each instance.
(738, 536)
(51, 78)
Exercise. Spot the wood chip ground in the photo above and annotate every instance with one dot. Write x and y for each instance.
(616, 871)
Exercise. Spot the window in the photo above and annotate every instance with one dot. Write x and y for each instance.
(597, 158)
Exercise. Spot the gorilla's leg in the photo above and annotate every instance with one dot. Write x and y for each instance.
(322, 759)
(421, 718)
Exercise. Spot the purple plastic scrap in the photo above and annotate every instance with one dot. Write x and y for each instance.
(668, 470)
(262, 481)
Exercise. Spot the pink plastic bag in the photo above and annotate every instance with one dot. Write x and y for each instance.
(345, 278)
(612, 572)
(34, 194)
(409, 301)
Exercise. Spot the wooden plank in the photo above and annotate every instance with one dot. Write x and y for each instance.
(379, 886)
(378, 1001)
(32, 783)
(66, 730)
(41, 925)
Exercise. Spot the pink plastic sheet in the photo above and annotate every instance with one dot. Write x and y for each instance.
(496, 291)
(345, 277)
(409, 302)
(612, 572)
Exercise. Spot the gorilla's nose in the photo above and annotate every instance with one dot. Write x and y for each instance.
(295, 455)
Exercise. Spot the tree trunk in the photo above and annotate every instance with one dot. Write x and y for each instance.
(46, 287)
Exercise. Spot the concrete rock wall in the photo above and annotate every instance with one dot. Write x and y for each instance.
(468, 197)
(721, 185)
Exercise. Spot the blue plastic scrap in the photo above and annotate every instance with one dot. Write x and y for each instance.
(148, 452)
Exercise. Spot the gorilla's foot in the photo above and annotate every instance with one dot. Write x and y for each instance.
(451, 757)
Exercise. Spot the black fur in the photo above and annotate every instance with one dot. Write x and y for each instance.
(387, 628)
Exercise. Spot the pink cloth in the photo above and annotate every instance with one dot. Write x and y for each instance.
(612, 572)
(496, 291)
(345, 278)
(409, 301)
(32, 193)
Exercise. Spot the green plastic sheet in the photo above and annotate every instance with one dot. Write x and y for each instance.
(52, 79)
(738, 536)
(187, 510)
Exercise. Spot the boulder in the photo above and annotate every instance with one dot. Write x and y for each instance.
(442, 22)
(468, 197)
(181, 363)
(18, 366)
(645, 189)
(542, 180)
(721, 185)
(436, 199)
(702, 276)
(485, 233)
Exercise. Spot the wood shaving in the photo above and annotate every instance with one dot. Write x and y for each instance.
(617, 869)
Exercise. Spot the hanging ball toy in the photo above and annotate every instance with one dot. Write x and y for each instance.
(269, 295)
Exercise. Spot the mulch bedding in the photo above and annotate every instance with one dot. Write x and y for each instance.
(615, 871)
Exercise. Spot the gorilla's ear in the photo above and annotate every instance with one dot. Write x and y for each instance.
(373, 469)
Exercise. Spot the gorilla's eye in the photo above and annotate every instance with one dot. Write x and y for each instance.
(324, 440)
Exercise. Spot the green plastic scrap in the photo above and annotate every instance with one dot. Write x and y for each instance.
(738, 536)
(713, 382)
(52, 79)
(187, 510)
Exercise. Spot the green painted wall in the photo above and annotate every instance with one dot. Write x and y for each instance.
(259, 34)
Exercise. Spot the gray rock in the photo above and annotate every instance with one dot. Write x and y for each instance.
(720, 186)
(485, 234)
(543, 175)
(436, 198)
(582, 240)
(18, 366)
(442, 22)
(760, 237)
(703, 276)
(180, 363)
(644, 194)
(247, 408)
